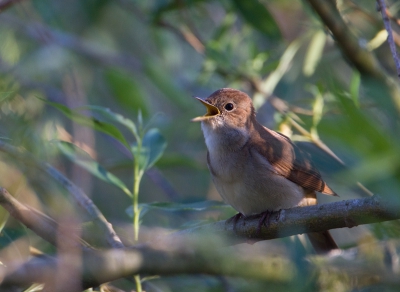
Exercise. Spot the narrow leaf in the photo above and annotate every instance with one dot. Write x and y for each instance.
(155, 143)
(150, 150)
(270, 83)
(90, 122)
(127, 90)
(83, 159)
(6, 95)
(112, 116)
(197, 206)
(179, 207)
(314, 52)
(257, 14)
(355, 87)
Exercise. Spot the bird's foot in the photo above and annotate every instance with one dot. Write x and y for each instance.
(264, 220)
(278, 216)
(233, 219)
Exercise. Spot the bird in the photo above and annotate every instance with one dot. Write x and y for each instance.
(255, 169)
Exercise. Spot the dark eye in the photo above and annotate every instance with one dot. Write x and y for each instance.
(229, 106)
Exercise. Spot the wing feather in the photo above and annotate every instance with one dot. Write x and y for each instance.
(290, 161)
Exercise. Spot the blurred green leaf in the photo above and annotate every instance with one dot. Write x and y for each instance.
(162, 7)
(179, 160)
(93, 8)
(386, 230)
(225, 27)
(83, 159)
(216, 52)
(151, 149)
(314, 52)
(178, 207)
(112, 116)
(318, 110)
(89, 121)
(269, 84)
(127, 91)
(355, 87)
(166, 85)
(156, 144)
(7, 238)
(197, 206)
(363, 125)
(257, 14)
(6, 95)
(374, 168)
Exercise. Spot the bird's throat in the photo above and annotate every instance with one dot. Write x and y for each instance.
(223, 138)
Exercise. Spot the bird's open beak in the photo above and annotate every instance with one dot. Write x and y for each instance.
(212, 111)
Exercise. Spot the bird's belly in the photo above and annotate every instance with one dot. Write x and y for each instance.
(250, 196)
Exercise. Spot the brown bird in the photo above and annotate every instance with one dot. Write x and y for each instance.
(255, 169)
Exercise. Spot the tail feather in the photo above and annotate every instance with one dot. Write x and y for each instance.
(322, 242)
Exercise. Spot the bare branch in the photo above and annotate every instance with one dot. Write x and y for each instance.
(386, 21)
(349, 213)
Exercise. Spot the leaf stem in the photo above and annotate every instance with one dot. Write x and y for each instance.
(137, 176)
(138, 283)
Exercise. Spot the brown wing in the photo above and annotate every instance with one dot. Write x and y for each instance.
(290, 161)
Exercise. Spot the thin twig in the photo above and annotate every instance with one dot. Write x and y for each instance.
(80, 197)
(38, 222)
(392, 45)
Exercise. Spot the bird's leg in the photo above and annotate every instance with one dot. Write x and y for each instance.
(278, 216)
(235, 219)
(264, 220)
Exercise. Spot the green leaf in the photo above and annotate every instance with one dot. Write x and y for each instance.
(257, 14)
(155, 143)
(90, 122)
(6, 95)
(127, 91)
(112, 116)
(162, 7)
(151, 149)
(269, 84)
(197, 206)
(166, 85)
(318, 110)
(314, 52)
(178, 207)
(10, 235)
(83, 159)
(355, 87)
(179, 160)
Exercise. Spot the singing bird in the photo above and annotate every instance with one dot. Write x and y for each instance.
(256, 169)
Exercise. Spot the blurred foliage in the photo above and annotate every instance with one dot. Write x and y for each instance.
(151, 57)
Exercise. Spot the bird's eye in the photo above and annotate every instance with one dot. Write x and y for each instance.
(229, 106)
